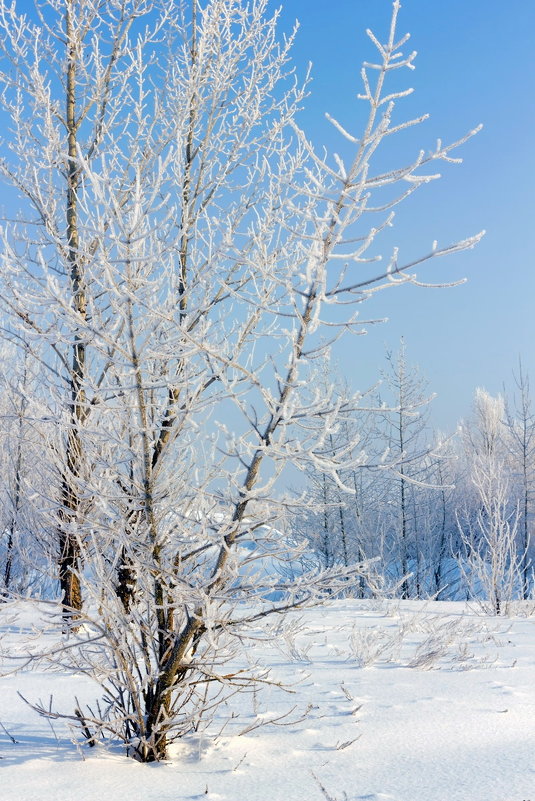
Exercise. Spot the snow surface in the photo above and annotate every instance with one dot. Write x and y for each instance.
(406, 701)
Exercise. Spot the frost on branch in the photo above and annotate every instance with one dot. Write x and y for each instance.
(182, 259)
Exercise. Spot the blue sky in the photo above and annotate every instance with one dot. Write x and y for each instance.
(476, 63)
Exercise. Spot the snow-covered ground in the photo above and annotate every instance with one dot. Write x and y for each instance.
(390, 701)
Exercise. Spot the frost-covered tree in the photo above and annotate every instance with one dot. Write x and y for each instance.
(179, 251)
(408, 457)
(330, 515)
(433, 522)
(24, 547)
(391, 500)
(489, 521)
(520, 421)
(66, 73)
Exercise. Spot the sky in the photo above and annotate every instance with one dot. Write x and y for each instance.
(475, 64)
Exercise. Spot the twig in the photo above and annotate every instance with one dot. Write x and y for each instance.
(85, 728)
(15, 742)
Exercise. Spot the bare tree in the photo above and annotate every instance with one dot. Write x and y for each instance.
(24, 562)
(520, 421)
(334, 516)
(216, 244)
(64, 82)
(404, 423)
(489, 522)
(437, 522)
(14, 494)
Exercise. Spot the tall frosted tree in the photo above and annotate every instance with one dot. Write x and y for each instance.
(403, 432)
(490, 519)
(520, 421)
(24, 545)
(65, 74)
(180, 250)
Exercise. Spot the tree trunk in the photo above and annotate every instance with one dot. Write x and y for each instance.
(70, 552)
